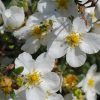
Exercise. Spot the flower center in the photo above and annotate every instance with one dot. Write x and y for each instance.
(70, 80)
(62, 4)
(34, 78)
(90, 82)
(37, 31)
(41, 30)
(73, 39)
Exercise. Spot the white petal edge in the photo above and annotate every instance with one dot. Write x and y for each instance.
(44, 63)
(57, 48)
(80, 29)
(25, 60)
(75, 57)
(55, 96)
(50, 82)
(31, 45)
(90, 43)
(34, 93)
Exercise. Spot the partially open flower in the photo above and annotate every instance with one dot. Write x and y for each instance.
(13, 17)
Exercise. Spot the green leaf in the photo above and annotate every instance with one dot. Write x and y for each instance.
(13, 95)
(18, 70)
(34, 5)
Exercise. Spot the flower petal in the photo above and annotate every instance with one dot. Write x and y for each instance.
(91, 72)
(71, 10)
(20, 90)
(62, 27)
(96, 28)
(22, 33)
(97, 87)
(75, 57)
(25, 60)
(50, 82)
(47, 7)
(46, 40)
(97, 83)
(35, 19)
(90, 95)
(57, 49)
(97, 9)
(90, 43)
(44, 63)
(80, 29)
(21, 96)
(81, 83)
(31, 45)
(35, 93)
(55, 96)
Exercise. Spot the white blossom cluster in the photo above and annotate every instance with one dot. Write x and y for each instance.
(61, 28)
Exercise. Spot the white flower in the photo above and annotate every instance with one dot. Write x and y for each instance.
(75, 42)
(13, 17)
(36, 32)
(91, 83)
(97, 9)
(58, 7)
(2, 8)
(38, 74)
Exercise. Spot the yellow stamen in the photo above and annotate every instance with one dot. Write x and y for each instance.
(90, 82)
(70, 81)
(34, 78)
(41, 30)
(73, 39)
(37, 31)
